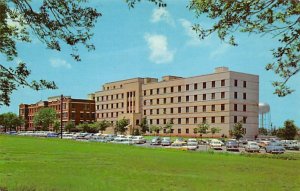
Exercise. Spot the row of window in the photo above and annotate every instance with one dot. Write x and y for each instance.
(187, 131)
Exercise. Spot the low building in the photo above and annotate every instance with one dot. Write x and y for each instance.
(75, 110)
(220, 99)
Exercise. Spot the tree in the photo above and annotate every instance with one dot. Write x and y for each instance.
(202, 129)
(155, 129)
(144, 125)
(44, 118)
(168, 127)
(289, 131)
(54, 23)
(262, 131)
(278, 19)
(10, 121)
(195, 130)
(238, 130)
(56, 125)
(215, 130)
(102, 125)
(121, 125)
(70, 125)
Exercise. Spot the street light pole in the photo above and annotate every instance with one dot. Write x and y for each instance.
(61, 115)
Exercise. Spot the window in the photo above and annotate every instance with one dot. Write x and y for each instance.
(157, 101)
(137, 122)
(187, 131)
(187, 121)
(244, 96)
(222, 82)
(144, 112)
(213, 119)
(235, 119)
(204, 96)
(157, 91)
(222, 119)
(195, 86)
(244, 119)
(151, 92)
(195, 97)
(235, 95)
(244, 108)
(179, 120)
(179, 131)
(195, 109)
(165, 130)
(165, 110)
(165, 90)
(235, 107)
(244, 84)
(165, 122)
(213, 96)
(213, 107)
(195, 120)
(204, 108)
(187, 109)
(179, 88)
(179, 109)
(204, 85)
(172, 100)
(172, 130)
(151, 101)
(222, 95)
(222, 107)
(235, 83)
(172, 89)
(187, 87)
(179, 99)
(203, 119)
(213, 84)
(151, 111)
(187, 98)
(150, 121)
(157, 121)
(172, 110)
(157, 111)
(165, 100)
(145, 103)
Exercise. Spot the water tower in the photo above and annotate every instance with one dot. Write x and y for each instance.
(264, 116)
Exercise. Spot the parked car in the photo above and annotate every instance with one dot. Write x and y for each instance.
(291, 145)
(52, 135)
(179, 142)
(232, 146)
(192, 144)
(155, 141)
(252, 147)
(11, 133)
(108, 137)
(67, 136)
(215, 145)
(139, 140)
(166, 141)
(275, 148)
(263, 144)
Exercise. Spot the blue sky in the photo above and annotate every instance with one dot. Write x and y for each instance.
(150, 42)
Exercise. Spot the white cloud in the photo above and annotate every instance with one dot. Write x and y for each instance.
(158, 45)
(194, 39)
(221, 50)
(60, 63)
(161, 14)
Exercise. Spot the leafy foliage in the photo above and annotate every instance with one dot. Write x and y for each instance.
(144, 125)
(202, 129)
(262, 131)
(53, 22)
(215, 130)
(155, 129)
(238, 130)
(121, 125)
(289, 131)
(102, 125)
(168, 127)
(280, 19)
(44, 118)
(56, 125)
(10, 121)
(69, 126)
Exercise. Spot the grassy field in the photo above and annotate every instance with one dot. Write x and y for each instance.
(50, 164)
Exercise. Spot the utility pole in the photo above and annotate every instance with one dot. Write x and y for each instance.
(61, 115)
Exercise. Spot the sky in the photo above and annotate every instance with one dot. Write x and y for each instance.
(148, 41)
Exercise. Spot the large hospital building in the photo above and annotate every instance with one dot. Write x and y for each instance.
(220, 99)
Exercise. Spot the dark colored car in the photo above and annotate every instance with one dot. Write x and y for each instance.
(232, 146)
(275, 148)
(155, 141)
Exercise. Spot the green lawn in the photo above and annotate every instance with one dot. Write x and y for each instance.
(51, 164)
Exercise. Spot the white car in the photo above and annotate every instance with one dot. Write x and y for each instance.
(217, 145)
(192, 144)
(139, 140)
(252, 147)
(67, 136)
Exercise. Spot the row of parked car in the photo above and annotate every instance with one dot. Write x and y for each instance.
(270, 146)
